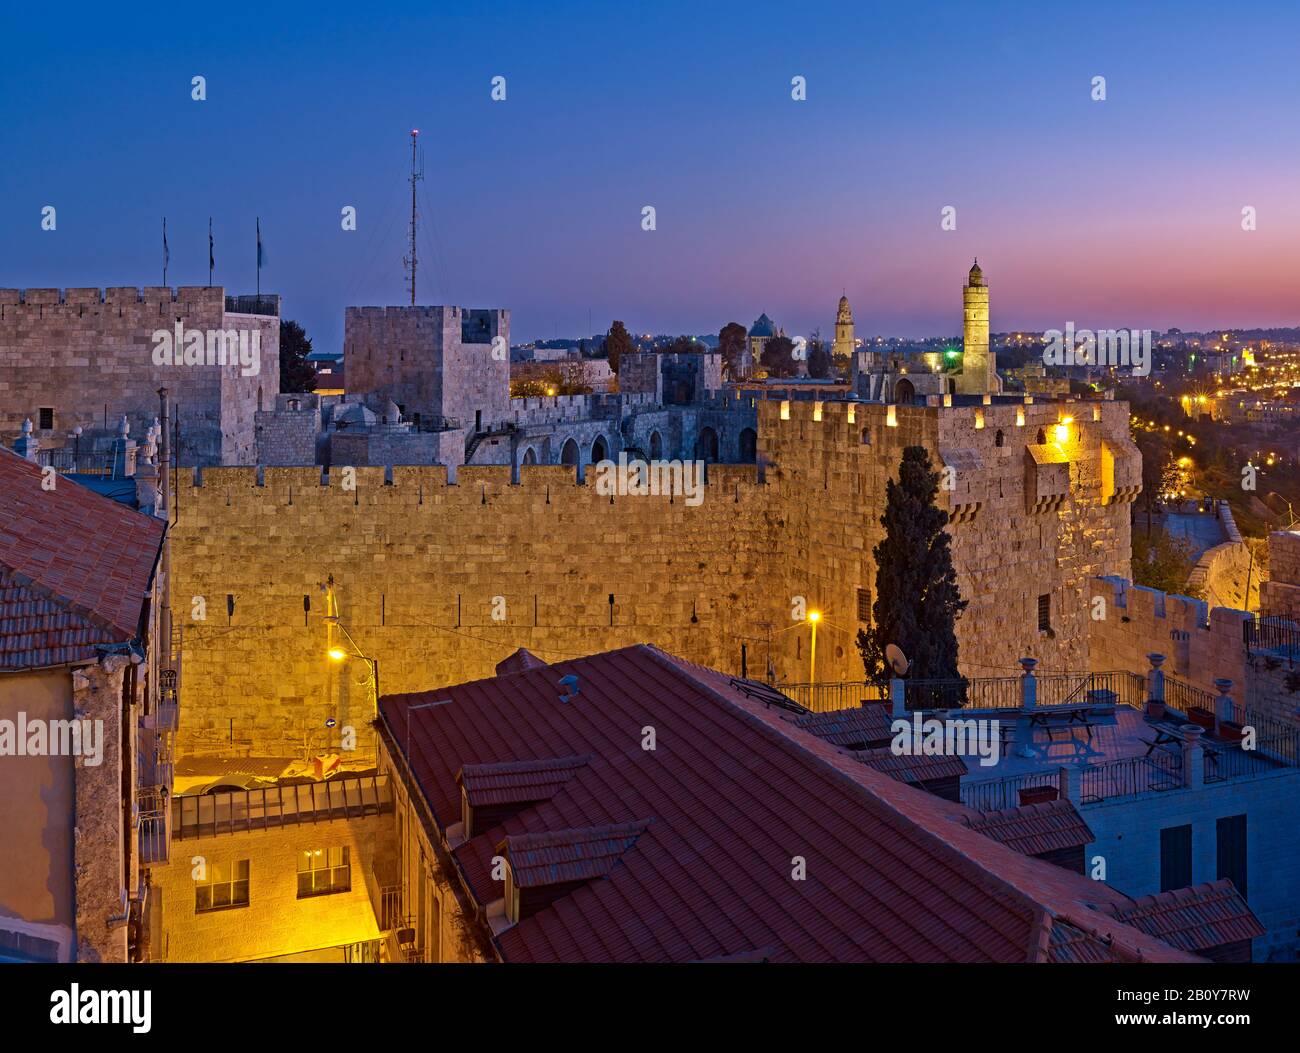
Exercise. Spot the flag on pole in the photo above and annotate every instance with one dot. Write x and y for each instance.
(166, 253)
(211, 258)
(261, 255)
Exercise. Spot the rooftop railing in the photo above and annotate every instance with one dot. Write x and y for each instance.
(1278, 635)
(1130, 776)
(238, 811)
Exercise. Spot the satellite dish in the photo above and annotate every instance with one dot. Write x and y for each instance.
(896, 659)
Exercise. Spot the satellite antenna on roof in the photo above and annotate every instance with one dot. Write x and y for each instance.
(897, 660)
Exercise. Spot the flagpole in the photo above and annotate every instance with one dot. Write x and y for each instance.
(259, 263)
(210, 259)
(164, 252)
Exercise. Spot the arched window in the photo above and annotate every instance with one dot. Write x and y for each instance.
(569, 455)
(530, 456)
(997, 439)
(904, 393)
(748, 446)
(656, 446)
(866, 436)
(706, 446)
(599, 451)
(1042, 437)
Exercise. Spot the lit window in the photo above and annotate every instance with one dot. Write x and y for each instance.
(225, 885)
(323, 871)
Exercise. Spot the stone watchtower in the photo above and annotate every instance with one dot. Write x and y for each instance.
(979, 365)
(843, 329)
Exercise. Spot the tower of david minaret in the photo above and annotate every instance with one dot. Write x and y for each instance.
(843, 329)
(979, 368)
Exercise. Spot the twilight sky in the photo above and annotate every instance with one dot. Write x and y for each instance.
(1119, 213)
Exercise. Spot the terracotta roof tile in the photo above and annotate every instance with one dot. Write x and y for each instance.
(1034, 829)
(738, 796)
(912, 767)
(1195, 918)
(74, 568)
(516, 782)
(569, 855)
(848, 727)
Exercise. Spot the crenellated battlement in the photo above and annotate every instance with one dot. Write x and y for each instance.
(467, 482)
(1199, 642)
(114, 296)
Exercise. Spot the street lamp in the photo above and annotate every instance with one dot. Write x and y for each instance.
(338, 654)
(814, 616)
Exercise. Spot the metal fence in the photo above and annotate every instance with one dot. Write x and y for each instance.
(154, 825)
(1131, 776)
(66, 460)
(827, 696)
(997, 794)
(1002, 692)
(1272, 634)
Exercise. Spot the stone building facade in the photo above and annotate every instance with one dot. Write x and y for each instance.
(84, 358)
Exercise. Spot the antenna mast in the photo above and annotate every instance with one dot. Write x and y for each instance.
(417, 173)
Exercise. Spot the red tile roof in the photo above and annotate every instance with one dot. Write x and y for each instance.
(517, 781)
(569, 855)
(74, 568)
(849, 727)
(1033, 829)
(913, 767)
(741, 802)
(1195, 918)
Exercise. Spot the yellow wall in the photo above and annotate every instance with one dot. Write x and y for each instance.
(36, 813)
(276, 921)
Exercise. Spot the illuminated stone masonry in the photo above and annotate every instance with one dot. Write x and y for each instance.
(440, 582)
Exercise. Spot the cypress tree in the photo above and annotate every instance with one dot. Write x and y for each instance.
(917, 600)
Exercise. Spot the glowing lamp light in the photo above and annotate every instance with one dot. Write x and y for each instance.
(337, 654)
(814, 616)
(1063, 432)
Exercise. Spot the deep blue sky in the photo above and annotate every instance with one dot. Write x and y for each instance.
(1122, 213)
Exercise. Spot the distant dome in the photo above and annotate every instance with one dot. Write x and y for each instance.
(976, 276)
(353, 415)
(763, 327)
